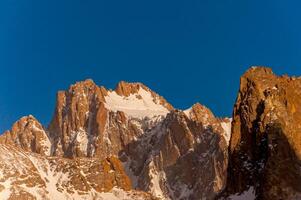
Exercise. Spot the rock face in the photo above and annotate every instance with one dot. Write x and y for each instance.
(129, 139)
(184, 157)
(28, 134)
(265, 146)
(80, 116)
(91, 121)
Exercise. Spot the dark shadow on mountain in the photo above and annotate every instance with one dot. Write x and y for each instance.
(275, 167)
(195, 168)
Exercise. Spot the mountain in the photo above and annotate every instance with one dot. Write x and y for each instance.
(265, 146)
(130, 143)
(126, 143)
(28, 134)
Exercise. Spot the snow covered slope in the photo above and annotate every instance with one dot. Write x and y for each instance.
(139, 105)
(27, 175)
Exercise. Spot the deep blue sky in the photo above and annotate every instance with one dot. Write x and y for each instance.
(187, 51)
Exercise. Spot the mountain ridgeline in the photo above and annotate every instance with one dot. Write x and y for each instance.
(130, 143)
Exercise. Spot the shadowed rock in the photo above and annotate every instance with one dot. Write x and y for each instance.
(265, 146)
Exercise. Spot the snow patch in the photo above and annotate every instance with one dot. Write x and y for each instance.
(227, 128)
(82, 139)
(6, 192)
(187, 112)
(118, 194)
(155, 179)
(45, 143)
(246, 195)
(138, 105)
(185, 192)
(50, 177)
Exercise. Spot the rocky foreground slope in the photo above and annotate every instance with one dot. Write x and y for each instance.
(130, 143)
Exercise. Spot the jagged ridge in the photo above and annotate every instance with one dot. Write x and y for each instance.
(140, 129)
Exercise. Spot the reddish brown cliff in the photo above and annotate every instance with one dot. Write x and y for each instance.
(183, 157)
(28, 134)
(265, 146)
(88, 120)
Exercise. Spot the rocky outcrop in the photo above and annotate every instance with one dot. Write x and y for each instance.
(28, 134)
(80, 116)
(88, 121)
(184, 157)
(265, 146)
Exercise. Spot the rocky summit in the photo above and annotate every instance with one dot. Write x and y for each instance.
(265, 145)
(130, 143)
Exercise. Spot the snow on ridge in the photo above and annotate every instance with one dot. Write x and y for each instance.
(138, 105)
(187, 111)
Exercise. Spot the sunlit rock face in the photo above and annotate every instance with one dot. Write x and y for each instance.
(28, 134)
(93, 121)
(265, 146)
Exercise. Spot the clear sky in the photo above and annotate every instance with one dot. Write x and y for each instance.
(187, 51)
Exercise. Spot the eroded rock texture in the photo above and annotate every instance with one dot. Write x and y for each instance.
(28, 134)
(184, 157)
(84, 124)
(265, 146)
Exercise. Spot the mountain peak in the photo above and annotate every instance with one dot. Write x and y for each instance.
(29, 120)
(85, 82)
(82, 85)
(28, 134)
(258, 71)
(199, 112)
(136, 100)
(124, 88)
